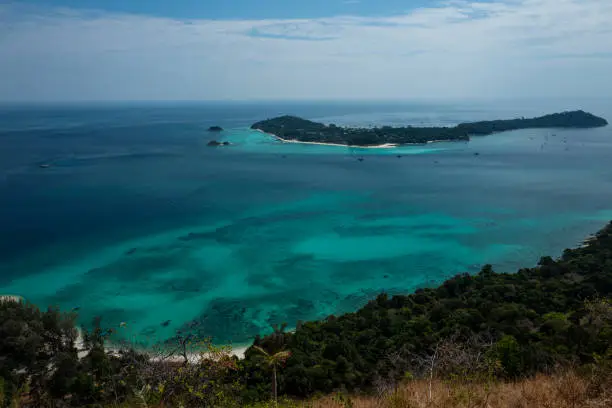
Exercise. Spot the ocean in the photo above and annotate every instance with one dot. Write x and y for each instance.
(123, 211)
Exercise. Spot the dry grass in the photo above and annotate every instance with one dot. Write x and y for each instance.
(566, 390)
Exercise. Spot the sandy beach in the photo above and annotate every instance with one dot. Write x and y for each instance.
(382, 146)
(192, 356)
(11, 298)
(195, 357)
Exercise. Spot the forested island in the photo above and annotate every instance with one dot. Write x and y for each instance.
(292, 128)
(549, 326)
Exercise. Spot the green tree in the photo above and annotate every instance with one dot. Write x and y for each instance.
(37, 349)
(274, 361)
(508, 352)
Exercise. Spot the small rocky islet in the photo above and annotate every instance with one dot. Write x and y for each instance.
(215, 143)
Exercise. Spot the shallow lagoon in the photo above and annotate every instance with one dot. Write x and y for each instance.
(138, 221)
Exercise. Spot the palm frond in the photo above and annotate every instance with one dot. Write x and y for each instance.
(141, 398)
(281, 356)
(262, 351)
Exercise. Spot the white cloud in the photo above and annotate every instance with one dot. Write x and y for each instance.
(457, 49)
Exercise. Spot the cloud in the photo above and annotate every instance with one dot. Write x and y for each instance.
(455, 49)
(298, 30)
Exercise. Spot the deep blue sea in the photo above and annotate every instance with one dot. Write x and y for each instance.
(137, 220)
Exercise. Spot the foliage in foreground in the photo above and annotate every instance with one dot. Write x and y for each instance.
(477, 330)
(566, 389)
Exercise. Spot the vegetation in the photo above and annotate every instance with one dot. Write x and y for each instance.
(45, 363)
(294, 128)
(459, 344)
(559, 312)
(274, 360)
(566, 389)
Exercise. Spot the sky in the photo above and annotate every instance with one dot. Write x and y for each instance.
(114, 50)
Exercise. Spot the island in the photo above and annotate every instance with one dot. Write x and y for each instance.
(215, 129)
(214, 143)
(295, 129)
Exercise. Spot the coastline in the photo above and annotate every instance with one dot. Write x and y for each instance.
(154, 353)
(382, 146)
(11, 298)
(115, 349)
(194, 356)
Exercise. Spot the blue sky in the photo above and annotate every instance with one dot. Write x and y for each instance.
(71, 50)
(248, 9)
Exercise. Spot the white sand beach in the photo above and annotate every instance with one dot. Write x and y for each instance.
(382, 146)
(11, 298)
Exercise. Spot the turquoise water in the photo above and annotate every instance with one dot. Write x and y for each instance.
(138, 221)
